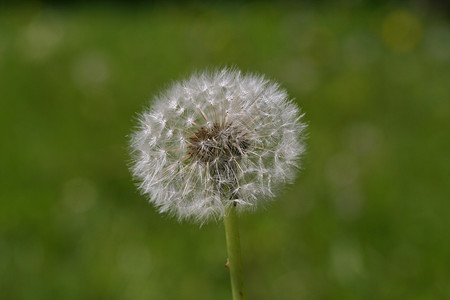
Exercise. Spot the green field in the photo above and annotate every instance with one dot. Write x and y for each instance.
(368, 217)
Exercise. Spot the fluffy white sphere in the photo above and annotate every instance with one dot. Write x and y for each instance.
(217, 139)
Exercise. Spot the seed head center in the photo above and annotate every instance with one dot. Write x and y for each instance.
(218, 143)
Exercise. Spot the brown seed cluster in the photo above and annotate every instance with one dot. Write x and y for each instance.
(218, 143)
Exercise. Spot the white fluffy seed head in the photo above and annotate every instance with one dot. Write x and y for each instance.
(217, 139)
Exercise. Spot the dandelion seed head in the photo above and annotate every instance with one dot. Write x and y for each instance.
(217, 139)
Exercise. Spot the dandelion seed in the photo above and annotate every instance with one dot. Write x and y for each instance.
(215, 140)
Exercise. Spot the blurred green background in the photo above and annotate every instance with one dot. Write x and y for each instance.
(368, 217)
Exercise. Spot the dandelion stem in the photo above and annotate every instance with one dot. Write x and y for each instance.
(234, 254)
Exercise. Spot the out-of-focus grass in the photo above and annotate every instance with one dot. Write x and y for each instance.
(368, 218)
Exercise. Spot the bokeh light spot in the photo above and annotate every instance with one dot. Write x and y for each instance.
(40, 40)
(79, 195)
(401, 31)
(91, 70)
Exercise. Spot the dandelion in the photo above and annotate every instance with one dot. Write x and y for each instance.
(217, 143)
(215, 140)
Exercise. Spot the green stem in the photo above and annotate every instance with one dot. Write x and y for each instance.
(234, 254)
